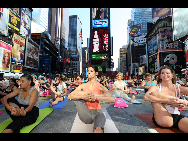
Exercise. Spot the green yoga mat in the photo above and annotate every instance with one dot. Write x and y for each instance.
(42, 114)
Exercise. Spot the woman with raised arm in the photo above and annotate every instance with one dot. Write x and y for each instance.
(165, 100)
(25, 110)
(87, 98)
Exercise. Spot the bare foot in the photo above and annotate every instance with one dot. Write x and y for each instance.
(51, 101)
(98, 130)
(132, 99)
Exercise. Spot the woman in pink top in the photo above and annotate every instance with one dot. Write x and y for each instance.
(87, 98)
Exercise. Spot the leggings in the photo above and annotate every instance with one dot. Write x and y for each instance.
(121, 94)
(88, 116)
(22, 121)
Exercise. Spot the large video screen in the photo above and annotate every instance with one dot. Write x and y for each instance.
(100, 40)
(100, 13)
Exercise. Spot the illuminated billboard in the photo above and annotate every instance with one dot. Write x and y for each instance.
(100, 23)
(100, 13)
(102, 56)
(100, 40)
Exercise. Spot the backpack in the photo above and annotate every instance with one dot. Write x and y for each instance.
(120, 103)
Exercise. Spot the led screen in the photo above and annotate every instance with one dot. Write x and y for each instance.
(100, 40)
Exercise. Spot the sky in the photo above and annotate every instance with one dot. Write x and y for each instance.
(119, 18)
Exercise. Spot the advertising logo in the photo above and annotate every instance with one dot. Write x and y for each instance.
(100, 23)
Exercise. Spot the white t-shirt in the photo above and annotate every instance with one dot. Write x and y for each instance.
(60, 88)
(122, 85)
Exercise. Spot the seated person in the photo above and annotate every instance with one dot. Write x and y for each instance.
(25, 110)
(165, 100)
(87, 98)
(119, 86)
(60, 93)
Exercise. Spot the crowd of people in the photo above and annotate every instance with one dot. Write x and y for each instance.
(163, 91)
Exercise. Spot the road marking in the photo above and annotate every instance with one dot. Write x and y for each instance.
(153, 131)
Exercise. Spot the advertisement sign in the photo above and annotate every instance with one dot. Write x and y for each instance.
(100, 40)
(5, 56)
(139, 40)
(160, 13)
(74, 57)
(99, 56)
(25, 27)
(179, 23)
(4, 17)
(32, 54)
(153, 65)
(166, 42)
(186, 48)
(18, 48)
(143, 60)
(17, 68)
(141, 70)
(175, 59)
(100, 13)
(100, 23)
(136, 29)
(126, 75)
(152, 46)
(14, 18)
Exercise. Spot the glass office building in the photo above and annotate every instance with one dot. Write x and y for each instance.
(140, 16)
(39, 20)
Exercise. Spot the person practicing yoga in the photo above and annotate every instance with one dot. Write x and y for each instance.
(147, 83)
(61, 91)
(165, 100)
(87, 98)
(119, 86)
(25, 110)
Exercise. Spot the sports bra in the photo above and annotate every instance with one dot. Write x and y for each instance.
(171, 108)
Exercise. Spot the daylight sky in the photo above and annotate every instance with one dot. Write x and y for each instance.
(119, 18)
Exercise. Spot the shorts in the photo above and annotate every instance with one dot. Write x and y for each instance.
(176, 119)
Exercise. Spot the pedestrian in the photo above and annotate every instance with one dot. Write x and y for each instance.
(87, 98)
(119, 87)
(25, 110)
(61, 91)
(165, 100)
(147, 83)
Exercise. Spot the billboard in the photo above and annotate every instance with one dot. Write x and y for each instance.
(160, 13)
(139, 40)
(100, 40)
(153, 64)
(135, 30)
(31, 54)
(179, 24)
(4, 17)
(152, 45)
(18, 48)
(101, 56)
(100, 23)
(25, 26)
(175, 59)
(14, 18)
(99, 13)
(5, 56)
(166, 42)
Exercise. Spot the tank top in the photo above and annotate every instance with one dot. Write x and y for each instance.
(148, 84)
(93, 104)
(171, 108)
(26, 101)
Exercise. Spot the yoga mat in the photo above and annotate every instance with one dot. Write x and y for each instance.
(80, 127)
(147, 118)
(127, 102)
(42, 114)
(59, 105)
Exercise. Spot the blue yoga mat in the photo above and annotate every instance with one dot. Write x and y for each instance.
(59, 105)
(127, 102)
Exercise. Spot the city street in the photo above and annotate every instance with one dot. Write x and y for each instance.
(62, 120)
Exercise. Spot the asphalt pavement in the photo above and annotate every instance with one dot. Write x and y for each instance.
(61, 120)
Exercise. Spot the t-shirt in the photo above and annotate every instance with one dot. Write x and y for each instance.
(122, 85)
(60, 88)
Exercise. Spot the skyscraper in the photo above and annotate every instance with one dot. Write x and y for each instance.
(140, 16)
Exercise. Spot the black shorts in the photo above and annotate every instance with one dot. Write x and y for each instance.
(176, 119)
